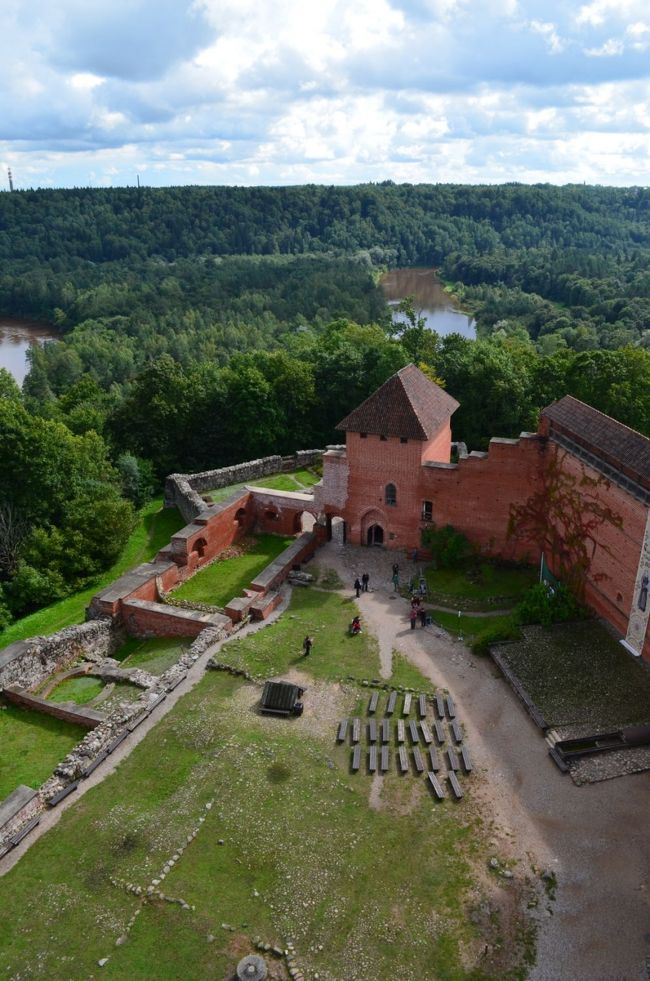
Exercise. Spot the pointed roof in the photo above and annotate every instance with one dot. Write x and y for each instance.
(408, 405)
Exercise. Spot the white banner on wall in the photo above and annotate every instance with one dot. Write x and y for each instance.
(637, 624)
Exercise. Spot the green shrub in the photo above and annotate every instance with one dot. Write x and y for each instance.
(493, 634)
(449, 547)
(546, 605)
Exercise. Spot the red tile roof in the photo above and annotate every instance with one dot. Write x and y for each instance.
(603, 436)
(408, 405)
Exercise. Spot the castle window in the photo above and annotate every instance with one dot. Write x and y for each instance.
(363, 435)
(427, 510)
(403, 439)
(384, 438)
(390, 495)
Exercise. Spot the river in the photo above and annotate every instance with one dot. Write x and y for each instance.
(430, 300)
(16, 338)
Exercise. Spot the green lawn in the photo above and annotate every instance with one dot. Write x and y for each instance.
(31, 745)
(80, 690)
(288, 848)
(577, 673)
(479, 585)
(154, 655)
(154, 529)
(299, 480)
(219, 582)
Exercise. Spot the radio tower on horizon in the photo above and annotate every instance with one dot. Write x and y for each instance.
(11, 180)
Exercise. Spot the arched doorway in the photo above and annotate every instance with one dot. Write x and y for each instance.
(375, 535)
(303, 521)
(200, 546)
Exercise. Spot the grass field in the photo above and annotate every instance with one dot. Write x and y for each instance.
(269, 836)
(223, 579)
(479, 586)
(31, 745)
(79, 690)
(154, 655)
(155, 527)
(299, 480)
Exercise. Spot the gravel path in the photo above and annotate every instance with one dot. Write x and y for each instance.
(594, 838)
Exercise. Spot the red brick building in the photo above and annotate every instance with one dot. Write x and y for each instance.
(394, 477)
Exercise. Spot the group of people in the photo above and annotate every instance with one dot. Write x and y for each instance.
(361, 585)
(417, 612)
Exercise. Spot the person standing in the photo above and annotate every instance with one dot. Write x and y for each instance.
(395, 579)
(413, 615)
(307, 645)
(365, 579)
(357, 586)
(423, 616)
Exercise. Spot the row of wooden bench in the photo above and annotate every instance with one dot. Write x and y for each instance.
(374, 728)
(379, 759)
(445, 707)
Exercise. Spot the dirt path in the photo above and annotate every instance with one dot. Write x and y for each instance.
(593, 838)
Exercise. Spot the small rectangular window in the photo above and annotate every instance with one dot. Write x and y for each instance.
(384, 438)
(403, 439)
(363, 435)
(427, 511)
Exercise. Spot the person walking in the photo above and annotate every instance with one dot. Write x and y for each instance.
(307, 645)
(395, 580)
(365, 579)
(357, 586)
(413, 615)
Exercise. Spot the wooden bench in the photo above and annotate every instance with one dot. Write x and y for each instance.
(413, 729)
(372, 731)
(384, 759)
(403, 759)
(95, 763)
(156, 702)
(385, 730)
(452, 759)
(455, 786)
(426, 733)
(440, 731)
(392, 699)
(440, 706)
(372, 759)
(343, 731)
(134, 723)
(407, 703)
(116, 742)
(466, 758)
(422, 706)
(417, 759)
(356, 758)
(435, 759)
(177, 681)
(456, 731)
(401, 734)
(356, 730)
(451, 708)
(62, 794)
(372, 704)
(436, 786)
(24, 831)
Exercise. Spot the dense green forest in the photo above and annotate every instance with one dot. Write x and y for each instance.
(203, 326)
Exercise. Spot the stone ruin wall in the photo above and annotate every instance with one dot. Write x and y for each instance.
(29, 662)
(184, 490)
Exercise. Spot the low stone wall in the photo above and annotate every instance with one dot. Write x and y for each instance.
(148, 619)
(28, 662)
(66, 711)
(277, 571)
(184, 490)
(16, 810)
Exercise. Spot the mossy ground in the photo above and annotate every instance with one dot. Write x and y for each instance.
(220, 581)
(479, 585)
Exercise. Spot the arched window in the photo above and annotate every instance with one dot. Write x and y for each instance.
(390, 495)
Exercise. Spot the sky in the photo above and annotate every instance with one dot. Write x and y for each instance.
(324, 91)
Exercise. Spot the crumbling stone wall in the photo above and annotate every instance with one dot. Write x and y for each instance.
(29, 662)
(184, 490)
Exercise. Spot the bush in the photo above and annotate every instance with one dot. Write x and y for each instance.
(493, 634)
(450, 548)
(546, 605)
